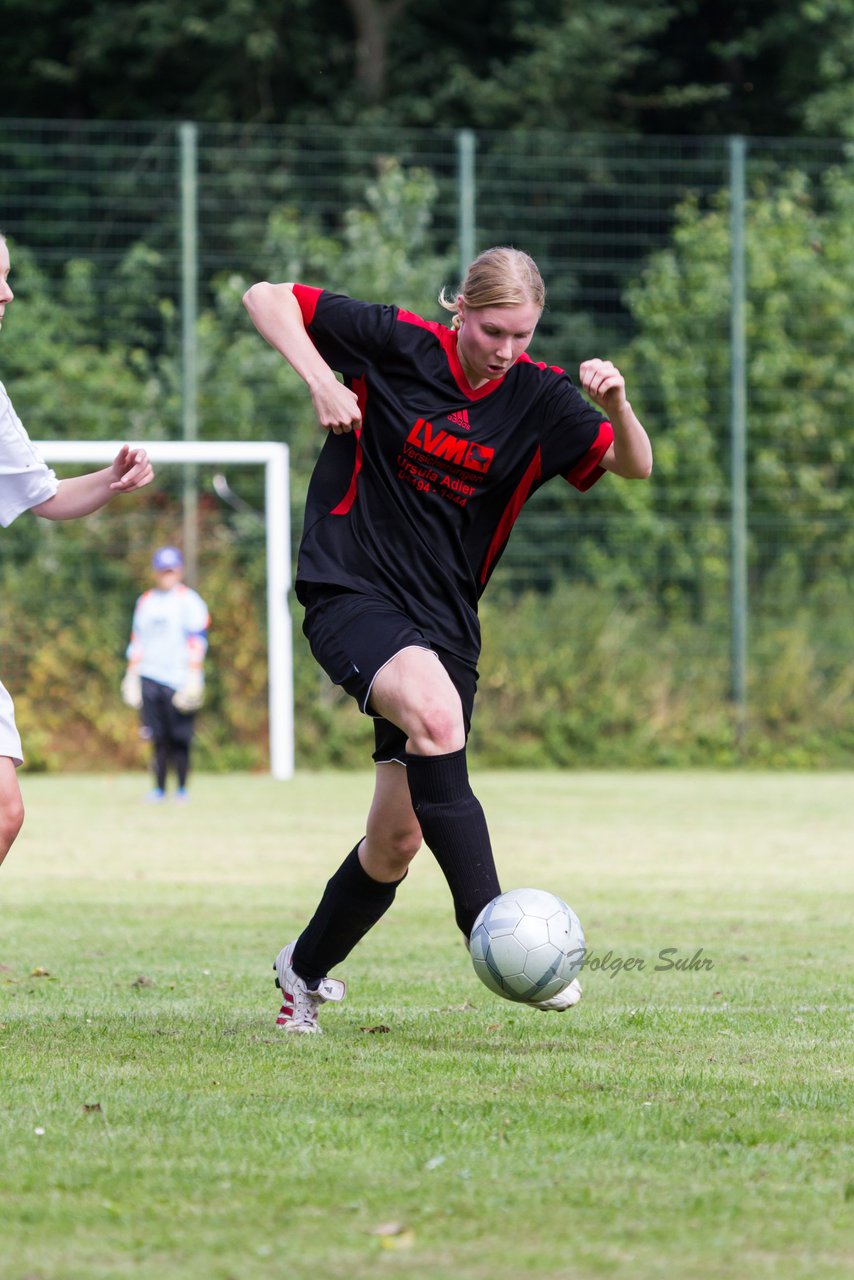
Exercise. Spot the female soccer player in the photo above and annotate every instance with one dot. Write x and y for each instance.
(28, 484)
(436, 438)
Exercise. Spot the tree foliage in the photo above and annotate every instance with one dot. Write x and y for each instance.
(799, 382)
(663, 66)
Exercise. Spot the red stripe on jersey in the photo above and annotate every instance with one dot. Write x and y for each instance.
(307, 297)
(361, 390)
(448, 342)
(510, 516)
(538, 364)
(587, 470)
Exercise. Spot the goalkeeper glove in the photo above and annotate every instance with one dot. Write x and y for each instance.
(132, 690)
(191, 695)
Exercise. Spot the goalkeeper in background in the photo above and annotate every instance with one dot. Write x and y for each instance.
(165, 674)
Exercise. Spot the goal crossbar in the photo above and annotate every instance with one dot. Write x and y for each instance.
(273, 456)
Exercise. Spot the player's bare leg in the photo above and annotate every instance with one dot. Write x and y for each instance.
(393, 836)
(11, 805)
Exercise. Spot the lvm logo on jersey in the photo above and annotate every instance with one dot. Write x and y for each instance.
(442, 445)
(436, 461)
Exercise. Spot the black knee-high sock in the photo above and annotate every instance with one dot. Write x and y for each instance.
(181, 761)
(454, 828)
(161, 763)
(352, 903)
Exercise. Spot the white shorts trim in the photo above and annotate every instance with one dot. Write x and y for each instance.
(10, 739)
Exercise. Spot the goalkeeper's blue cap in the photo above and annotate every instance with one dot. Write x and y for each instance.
(167, 558)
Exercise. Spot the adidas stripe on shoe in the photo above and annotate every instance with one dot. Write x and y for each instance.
(299, 1002)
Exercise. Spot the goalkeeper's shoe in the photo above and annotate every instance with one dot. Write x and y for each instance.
(564, 999)
(299, 1002)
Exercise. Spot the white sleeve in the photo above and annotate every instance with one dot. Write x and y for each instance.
(196, 623)
(25, 478)
(196, 616)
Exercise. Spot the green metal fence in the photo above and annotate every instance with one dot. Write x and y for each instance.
(709, 268)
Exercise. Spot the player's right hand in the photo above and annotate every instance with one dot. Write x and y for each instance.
(132, 470)
(336, 407)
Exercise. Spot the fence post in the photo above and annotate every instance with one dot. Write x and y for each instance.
(465, 197)
(738, 438)
(188, 137)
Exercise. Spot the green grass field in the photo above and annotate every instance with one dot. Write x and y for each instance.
(682, 1122)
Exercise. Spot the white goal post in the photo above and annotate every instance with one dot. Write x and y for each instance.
(274, 459)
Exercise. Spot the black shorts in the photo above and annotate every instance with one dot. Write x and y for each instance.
(353, 636)
(163, 720)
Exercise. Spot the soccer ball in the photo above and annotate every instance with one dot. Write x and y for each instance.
(527, 945)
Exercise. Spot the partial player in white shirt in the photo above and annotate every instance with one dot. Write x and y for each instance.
(28, 484)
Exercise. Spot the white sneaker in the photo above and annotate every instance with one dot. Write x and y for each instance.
(299, 1004)
(564, 999)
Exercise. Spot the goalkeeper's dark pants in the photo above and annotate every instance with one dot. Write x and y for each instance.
(170, 731)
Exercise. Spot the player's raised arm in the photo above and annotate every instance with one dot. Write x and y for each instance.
(81, 495)
(276, 314)
(630, 456)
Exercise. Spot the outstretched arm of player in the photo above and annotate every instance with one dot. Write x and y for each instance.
(630, 455)
(276, 315)
(81, 495)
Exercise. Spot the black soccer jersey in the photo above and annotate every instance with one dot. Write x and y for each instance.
(418, 504)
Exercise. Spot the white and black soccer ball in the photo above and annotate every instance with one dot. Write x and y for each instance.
(527, 945)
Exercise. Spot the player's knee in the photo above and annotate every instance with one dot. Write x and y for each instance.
(440, 731)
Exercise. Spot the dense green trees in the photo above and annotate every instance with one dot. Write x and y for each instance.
(800, 274)
(658, 66)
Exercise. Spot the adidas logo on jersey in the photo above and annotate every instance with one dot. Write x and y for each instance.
(461, 419)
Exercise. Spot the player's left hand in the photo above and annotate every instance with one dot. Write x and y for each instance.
(131, 470)
(604, 384)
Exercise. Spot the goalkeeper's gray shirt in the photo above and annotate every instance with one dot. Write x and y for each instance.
(169, 635)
